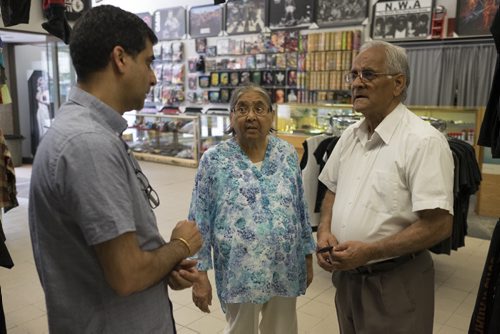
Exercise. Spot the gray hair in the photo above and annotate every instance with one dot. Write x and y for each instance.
(396, 60)
(238, 92)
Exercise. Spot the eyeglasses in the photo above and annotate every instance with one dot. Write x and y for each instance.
(151, 194)
(364, 75)
(243, 108)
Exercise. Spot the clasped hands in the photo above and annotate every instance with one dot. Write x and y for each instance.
(342, 256)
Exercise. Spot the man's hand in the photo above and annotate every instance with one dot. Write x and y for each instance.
(310, 273)
(324, 258)
(188, 231)
(175, 281)
(350, 255)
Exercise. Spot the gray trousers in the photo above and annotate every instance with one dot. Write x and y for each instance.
(399, 300)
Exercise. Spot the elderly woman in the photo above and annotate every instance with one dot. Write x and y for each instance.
(248, 203)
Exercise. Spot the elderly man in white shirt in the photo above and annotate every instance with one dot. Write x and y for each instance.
(389, 198)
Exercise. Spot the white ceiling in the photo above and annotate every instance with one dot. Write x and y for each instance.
(9, 36)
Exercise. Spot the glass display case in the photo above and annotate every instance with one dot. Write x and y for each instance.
(296, 122)
(178, 139)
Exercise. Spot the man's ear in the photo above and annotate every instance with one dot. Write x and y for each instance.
(118, 58)
(399, 84)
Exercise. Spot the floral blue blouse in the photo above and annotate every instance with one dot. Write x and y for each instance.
(255, 220)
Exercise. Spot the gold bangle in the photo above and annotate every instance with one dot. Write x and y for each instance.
(184, 242)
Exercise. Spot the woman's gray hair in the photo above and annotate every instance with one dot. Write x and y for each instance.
(396, 60)
(238, 92)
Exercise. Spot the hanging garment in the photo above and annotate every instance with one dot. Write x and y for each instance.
(310, 172)
(15, 12)
(57, 23)
(466, 183)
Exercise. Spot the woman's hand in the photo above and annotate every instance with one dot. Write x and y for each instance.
(202, 292)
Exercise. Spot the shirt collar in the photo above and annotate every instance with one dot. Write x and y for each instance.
(98, 109)
(384, 130)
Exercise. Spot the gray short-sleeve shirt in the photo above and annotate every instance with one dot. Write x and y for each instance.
(84, 191)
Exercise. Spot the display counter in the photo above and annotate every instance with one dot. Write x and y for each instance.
(178, 139)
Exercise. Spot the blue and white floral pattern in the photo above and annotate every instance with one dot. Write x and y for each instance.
(254, 220)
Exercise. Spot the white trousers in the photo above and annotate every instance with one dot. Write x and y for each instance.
(279, 316)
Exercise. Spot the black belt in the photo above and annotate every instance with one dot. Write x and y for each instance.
(382, 266)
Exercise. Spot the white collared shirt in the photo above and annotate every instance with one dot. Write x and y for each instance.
(381, 182)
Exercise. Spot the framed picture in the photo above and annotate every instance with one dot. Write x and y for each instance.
(170, 23)
(290, 13)
(291, 78)
(257, 77)
(395, 20)
(224, 78)
(205, 21)
(245, 17)
(214, 96)
(267, 78)
(234, 78)
(279, 78)
(192, 82)
(245, 77)
(147, 18)
(224, 95)
(474, 18)
(279, 96)
(201, 45)
(204, 81)
(340, 13)
(222, 46)
(214, 79)
(212, 51)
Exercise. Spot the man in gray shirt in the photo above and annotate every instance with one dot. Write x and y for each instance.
(102, 262)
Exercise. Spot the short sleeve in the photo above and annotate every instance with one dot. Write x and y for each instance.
(430, 175)
(91, 175)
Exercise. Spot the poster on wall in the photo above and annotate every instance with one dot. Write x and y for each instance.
(169, 23)
(290, 13)
(244, 17)
(474, 17)
(205, 21)
(409, 19)
(76, 8)
(147, 18)
(339, 13)
(41, 108)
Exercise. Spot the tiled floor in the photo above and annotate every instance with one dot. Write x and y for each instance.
(457, 276)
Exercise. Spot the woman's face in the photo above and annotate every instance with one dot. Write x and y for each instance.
(252, 126)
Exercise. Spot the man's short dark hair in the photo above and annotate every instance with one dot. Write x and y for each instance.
(101, 29)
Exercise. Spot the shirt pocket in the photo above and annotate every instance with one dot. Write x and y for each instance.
(382, 192)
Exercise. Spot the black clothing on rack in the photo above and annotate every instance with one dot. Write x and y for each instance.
(485, 319)
(322, 154)
(466, 183)
(15, 12)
